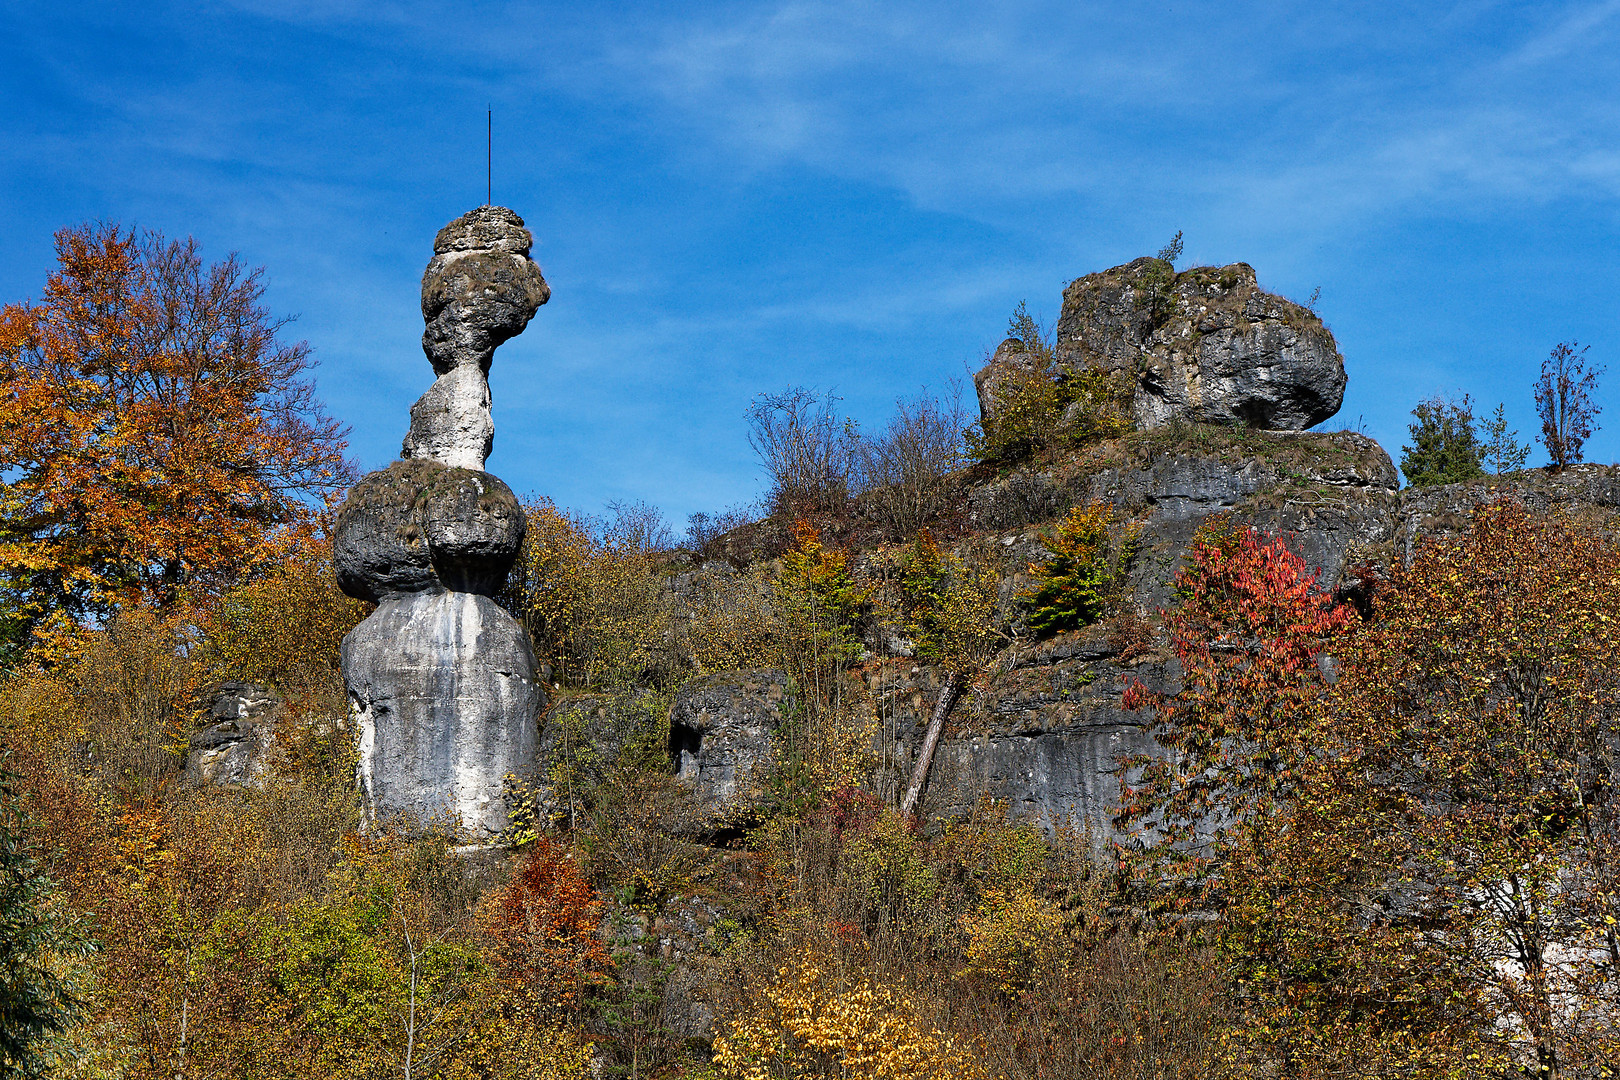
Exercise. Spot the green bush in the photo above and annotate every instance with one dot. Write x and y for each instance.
(1445, 449)
(1083, 574)
(1028, 405)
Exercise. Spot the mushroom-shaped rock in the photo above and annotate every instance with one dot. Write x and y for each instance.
(479, 289)
(441, 678)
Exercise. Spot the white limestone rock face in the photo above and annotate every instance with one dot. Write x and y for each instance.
(441, 679)
(451, 423)
(444, 689)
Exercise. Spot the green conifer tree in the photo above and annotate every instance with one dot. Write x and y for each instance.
(39, 998)
(1445, 449)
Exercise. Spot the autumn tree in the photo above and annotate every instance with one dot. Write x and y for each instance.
(1443, 895)
(545, 926)
(1249, 634)
(1564, 402)
(156, 434)
(950, 608)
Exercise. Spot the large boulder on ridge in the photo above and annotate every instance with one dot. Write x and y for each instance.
(1206, 345)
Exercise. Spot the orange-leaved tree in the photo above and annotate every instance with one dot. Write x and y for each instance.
(545, 930)
(155, 434)
(1443, 896)
(1249, 632)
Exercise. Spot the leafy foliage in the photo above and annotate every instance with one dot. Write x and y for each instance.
(1444, 448)
(810, 1025)
(283, 627)
(155, 435)
(592, 596)
(1039, 402)
(1443, 893)
(821, 603)
(950, 605)
(1248, 633)
(545, 927)
(1084, 572)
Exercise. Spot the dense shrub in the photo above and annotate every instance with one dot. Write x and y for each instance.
(283, 627)
(1090, 554)
(593, 595)
(1043, 403)
(1445, 449)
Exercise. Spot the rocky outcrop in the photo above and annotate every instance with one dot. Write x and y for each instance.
(1046, 734)
(1590, 492)
(233, 746)
(1011, 359)
(480, 289)
(441, 679)
(721, 728)
(1205, 345)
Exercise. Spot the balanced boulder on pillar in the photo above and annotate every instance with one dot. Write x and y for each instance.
(441, 678)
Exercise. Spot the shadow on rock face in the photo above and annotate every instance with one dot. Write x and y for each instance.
(418, 525)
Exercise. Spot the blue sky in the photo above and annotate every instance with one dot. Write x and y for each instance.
(733, 198)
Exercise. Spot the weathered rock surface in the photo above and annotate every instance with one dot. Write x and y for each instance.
(1045, 739)
(720, 737)
(419, 525)
(479, 289)
(1046, 735)
(232, 747)
(443, 686)
(442, 679)
(451, 423)
(1011, 359)
(1206, 345)
(1590, 492)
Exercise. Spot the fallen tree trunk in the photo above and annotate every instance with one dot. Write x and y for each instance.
(936, 724)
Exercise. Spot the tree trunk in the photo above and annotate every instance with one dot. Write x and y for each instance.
(936, 724)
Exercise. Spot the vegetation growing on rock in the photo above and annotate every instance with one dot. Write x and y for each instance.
(1367, 821)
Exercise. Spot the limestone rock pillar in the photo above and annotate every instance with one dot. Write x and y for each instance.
(441, 679)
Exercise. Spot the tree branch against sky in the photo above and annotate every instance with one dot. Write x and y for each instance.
(732, 199)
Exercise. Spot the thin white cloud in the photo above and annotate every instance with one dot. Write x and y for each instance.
(1571, 34)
